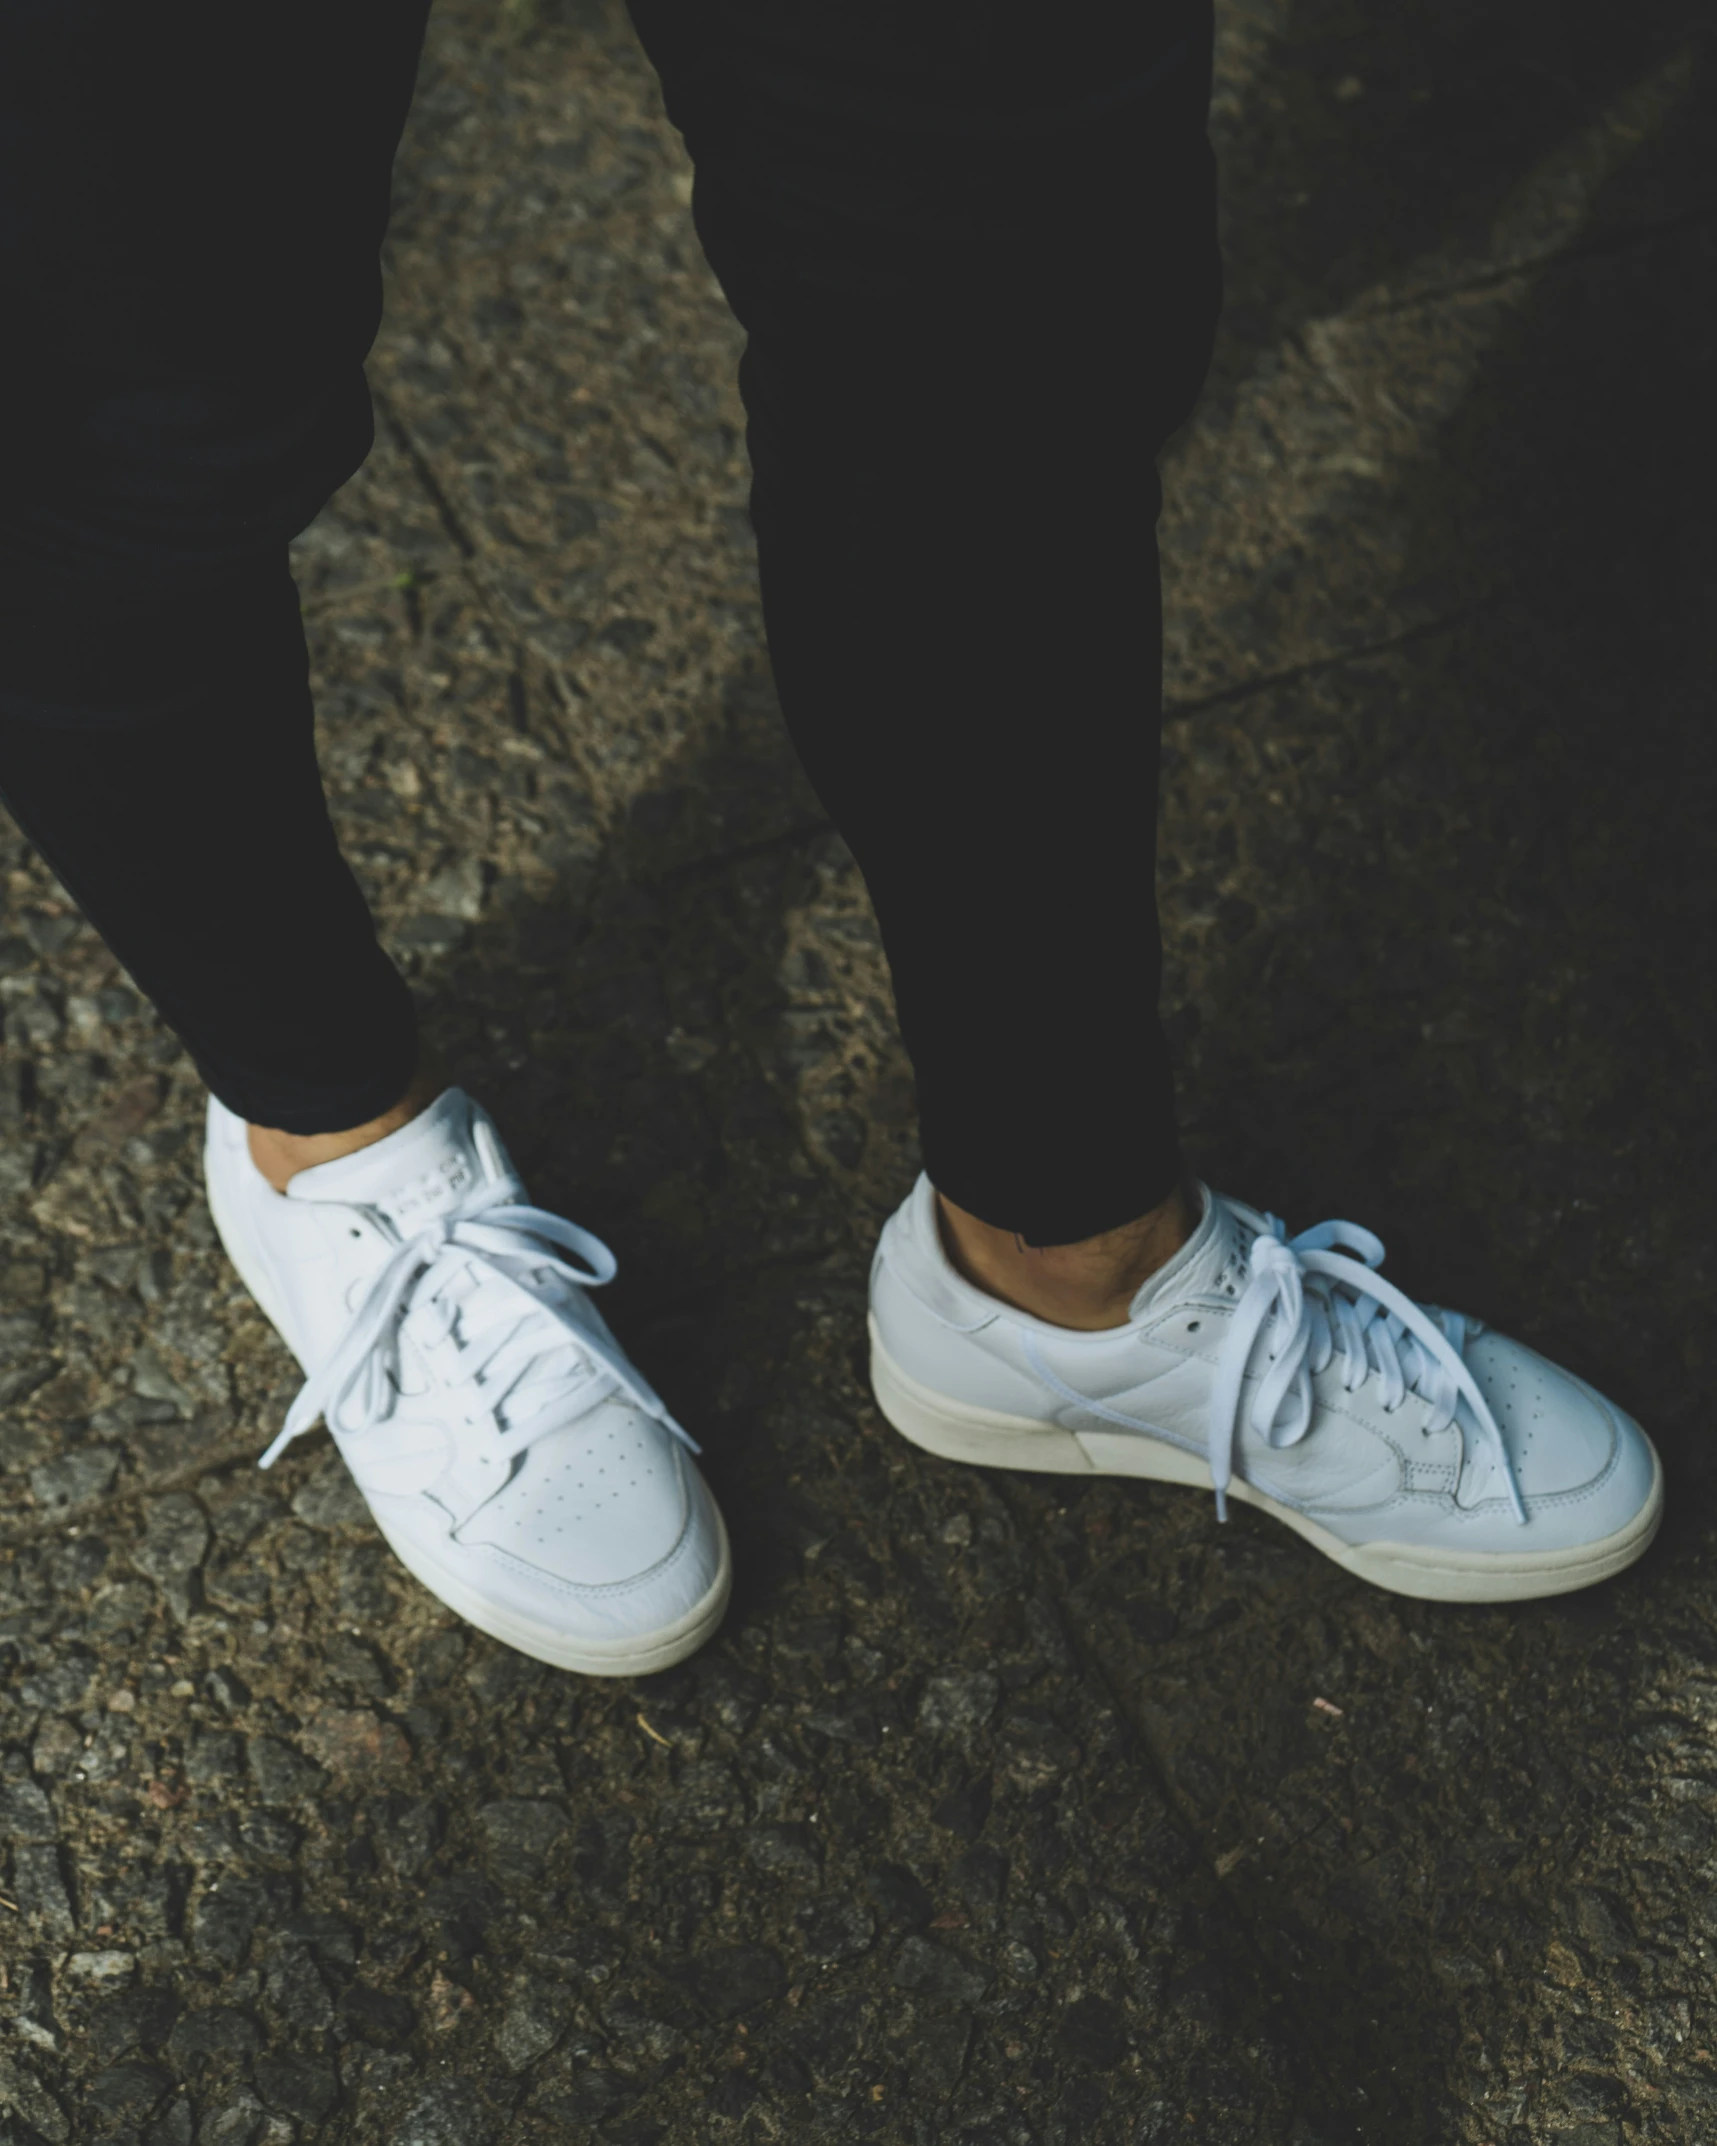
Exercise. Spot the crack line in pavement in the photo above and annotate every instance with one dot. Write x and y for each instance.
(406, 441)
(488, 600)
(1527, 264)
(1315, 666)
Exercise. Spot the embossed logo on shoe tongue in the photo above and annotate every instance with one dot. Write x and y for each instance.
(431, 1192)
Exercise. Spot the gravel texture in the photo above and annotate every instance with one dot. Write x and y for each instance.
(1003, 1811)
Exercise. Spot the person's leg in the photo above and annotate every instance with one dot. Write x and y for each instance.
(203, 262)
(975, 256)
(189, 826)
(191, 209)
(976, 259)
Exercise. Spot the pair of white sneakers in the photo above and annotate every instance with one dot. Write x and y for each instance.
(528, 1475)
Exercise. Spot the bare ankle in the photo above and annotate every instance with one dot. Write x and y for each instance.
(1089, 1285)
(280, 1156)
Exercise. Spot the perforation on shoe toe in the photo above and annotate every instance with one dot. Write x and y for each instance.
(600, 1500)
(1558, 1436)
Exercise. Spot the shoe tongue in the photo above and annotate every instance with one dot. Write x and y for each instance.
(1212, 1262)
(425, 1168)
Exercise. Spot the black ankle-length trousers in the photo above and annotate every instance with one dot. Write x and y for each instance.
(972, 243)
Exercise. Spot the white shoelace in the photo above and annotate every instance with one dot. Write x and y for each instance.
(357, 1387)
(1323, 1305)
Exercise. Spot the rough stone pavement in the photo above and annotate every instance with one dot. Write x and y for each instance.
(1003, 1811)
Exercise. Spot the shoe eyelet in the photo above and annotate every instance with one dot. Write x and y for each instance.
(1192, 1325)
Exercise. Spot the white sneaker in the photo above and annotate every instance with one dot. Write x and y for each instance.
(1413, 1446)
(510, 1453)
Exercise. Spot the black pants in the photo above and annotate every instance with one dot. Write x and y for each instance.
(973, 245)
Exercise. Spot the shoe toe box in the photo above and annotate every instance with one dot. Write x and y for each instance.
(1579, 1460)
(602, 1500)
(606, 1533)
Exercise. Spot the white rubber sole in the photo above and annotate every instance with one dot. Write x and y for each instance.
(633, 1657)
(955, 1430)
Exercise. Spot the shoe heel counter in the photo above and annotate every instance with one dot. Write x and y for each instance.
(899, 1315)
(912, 1287)
(947, 1346)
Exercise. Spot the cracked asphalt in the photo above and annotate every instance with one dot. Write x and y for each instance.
(1007, 1811)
